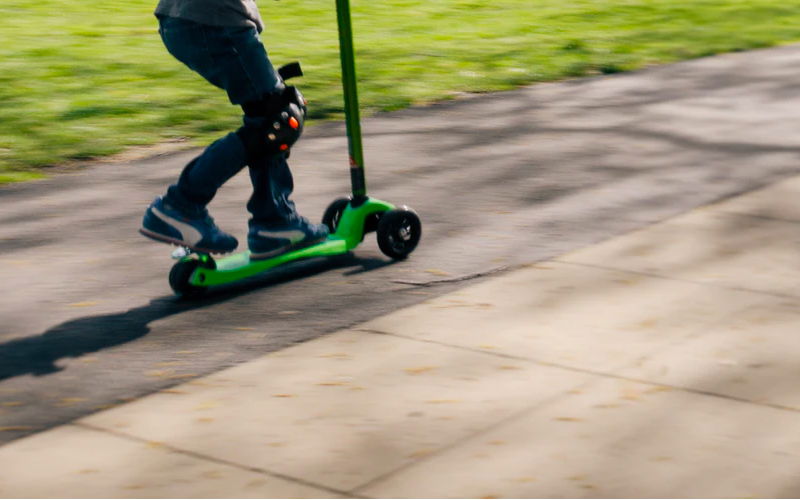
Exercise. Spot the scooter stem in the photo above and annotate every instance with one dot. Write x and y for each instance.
(351, 110)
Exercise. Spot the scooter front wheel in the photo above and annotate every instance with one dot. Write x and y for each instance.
(399, 232)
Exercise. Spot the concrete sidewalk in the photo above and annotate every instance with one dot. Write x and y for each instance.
(662, 363)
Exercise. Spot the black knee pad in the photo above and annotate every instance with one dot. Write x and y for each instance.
(273, 124)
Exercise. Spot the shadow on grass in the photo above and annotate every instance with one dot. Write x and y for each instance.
(38, 355)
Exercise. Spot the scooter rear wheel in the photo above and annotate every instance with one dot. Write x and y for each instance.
(179, 277)
(333, 214)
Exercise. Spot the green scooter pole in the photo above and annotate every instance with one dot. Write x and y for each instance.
(351, 109)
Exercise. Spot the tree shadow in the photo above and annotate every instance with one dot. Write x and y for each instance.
(38, 355)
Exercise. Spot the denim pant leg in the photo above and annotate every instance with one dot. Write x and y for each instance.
(234, 59)
(272, 185)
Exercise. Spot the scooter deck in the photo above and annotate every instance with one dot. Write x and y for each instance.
(348, 235)
(239, 266)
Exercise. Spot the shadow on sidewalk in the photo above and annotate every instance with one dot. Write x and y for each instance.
(38, 355)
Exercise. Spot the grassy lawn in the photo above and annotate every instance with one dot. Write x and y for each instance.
(84, 79)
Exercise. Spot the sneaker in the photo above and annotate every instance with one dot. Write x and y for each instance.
(197, 231)
(271, 241)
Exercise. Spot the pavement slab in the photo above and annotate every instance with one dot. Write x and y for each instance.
(574, 316)
(77, 462)
(738, 251)
(618, 439)
(750, 355)
(777, 201)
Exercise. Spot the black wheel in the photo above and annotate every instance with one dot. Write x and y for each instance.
(399, 232)
(179, 277)
(333, 214)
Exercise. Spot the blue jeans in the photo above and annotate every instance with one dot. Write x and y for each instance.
(233, 59)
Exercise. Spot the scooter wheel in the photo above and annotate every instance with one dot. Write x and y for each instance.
(399, 231)
(179, 277)
(333, 214)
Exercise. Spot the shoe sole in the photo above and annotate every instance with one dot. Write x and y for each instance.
(166, 239)
(286, 249)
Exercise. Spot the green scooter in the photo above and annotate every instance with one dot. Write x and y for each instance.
(349, 219)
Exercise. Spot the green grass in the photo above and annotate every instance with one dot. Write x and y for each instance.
(85, 79)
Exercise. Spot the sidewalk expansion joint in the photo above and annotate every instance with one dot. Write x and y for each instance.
(207, 458)
(584, 371)
(457, 279)
(680, 280)
(469, 437)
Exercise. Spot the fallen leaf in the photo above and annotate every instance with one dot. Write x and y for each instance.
(336, 355)
(69, 401)
(421, 453)
(207, 405)
(437, 272)
(419, 370)
(103, 407)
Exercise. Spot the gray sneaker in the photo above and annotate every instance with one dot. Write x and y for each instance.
(267, 241)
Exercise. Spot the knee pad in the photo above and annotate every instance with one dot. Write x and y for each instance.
(273, 124)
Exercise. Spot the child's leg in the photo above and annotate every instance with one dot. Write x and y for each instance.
(235, 60)
(272, 185)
